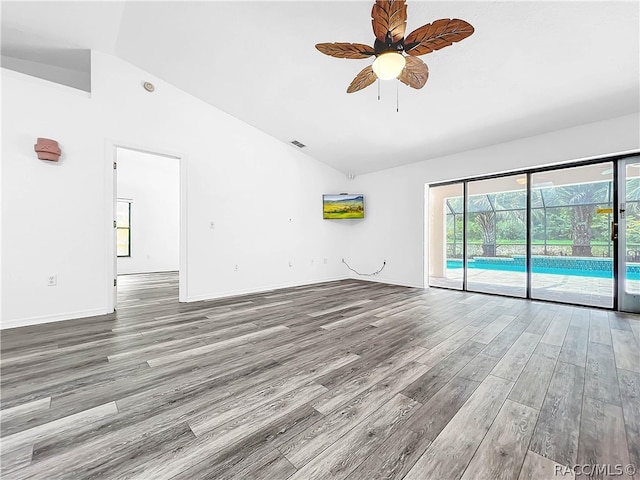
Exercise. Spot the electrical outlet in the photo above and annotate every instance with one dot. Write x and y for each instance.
(52, 280)
(325, 261)
(236, 268)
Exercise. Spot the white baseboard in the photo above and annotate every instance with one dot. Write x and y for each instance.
(235, 293)
(25, 322)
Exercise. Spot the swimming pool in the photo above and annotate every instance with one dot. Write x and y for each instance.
(575, 266)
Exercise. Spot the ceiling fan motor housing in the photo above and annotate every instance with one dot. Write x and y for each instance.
(388, 46)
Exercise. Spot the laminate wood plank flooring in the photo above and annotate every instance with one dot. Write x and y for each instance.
(344, 455)
(602, 436)
(503, 449)
(601, 379)
(574, 348)
(599, 331)
(454, 447)
(541, 321)
(513, 362)
(536, 467)
(558, 427)
(531, 387)
(630, 395)
(625, 347)
(305, 446)
(346, 379)
(554, 335)
(492, 330)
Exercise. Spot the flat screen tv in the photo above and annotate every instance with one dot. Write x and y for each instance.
(343, 205)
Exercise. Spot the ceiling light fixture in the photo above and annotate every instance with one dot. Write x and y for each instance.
(396, 54)
(388, 66)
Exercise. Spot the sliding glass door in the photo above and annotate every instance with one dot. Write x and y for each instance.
(572, 249)
(566, 234)
(497, 235)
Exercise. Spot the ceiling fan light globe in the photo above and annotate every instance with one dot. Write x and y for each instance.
(388, 65)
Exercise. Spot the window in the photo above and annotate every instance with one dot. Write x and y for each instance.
(123, 228)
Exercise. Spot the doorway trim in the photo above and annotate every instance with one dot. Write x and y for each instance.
(111, 189)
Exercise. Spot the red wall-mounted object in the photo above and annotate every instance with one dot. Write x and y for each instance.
(47, 149)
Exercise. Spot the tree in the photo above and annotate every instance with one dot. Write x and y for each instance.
(487, 223)
(499, 212)
(581, 200)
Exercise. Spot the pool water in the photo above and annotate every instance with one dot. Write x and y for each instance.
(580, 267)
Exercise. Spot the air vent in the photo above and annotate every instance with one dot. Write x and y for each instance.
(298, 144)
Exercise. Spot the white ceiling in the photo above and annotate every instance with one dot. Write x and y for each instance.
(530, 67)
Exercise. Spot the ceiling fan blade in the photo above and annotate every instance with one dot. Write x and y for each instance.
(389, 19)
(365, 78)
(436, 35)
(415, 73)
(346, 50)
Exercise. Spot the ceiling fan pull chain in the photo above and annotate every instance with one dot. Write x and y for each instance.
(397, 100)
(378, 89)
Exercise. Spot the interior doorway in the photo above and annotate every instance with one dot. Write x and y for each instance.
(148, 223)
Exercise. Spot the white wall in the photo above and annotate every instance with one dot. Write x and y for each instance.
(394, 229)
(263, 196)
(152, 184)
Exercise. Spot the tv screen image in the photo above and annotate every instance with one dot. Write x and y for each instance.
(342, 206)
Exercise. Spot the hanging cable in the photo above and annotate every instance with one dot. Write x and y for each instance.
(365, 274)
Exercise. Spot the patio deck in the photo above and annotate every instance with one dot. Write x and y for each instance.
(580, 290)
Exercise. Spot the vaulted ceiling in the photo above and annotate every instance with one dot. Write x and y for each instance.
(530, 67)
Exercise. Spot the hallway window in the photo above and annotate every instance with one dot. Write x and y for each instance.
(123, 228)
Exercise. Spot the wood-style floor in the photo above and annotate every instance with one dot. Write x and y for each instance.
(344, 380)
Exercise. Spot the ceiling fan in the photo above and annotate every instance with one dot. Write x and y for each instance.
(389, 19)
